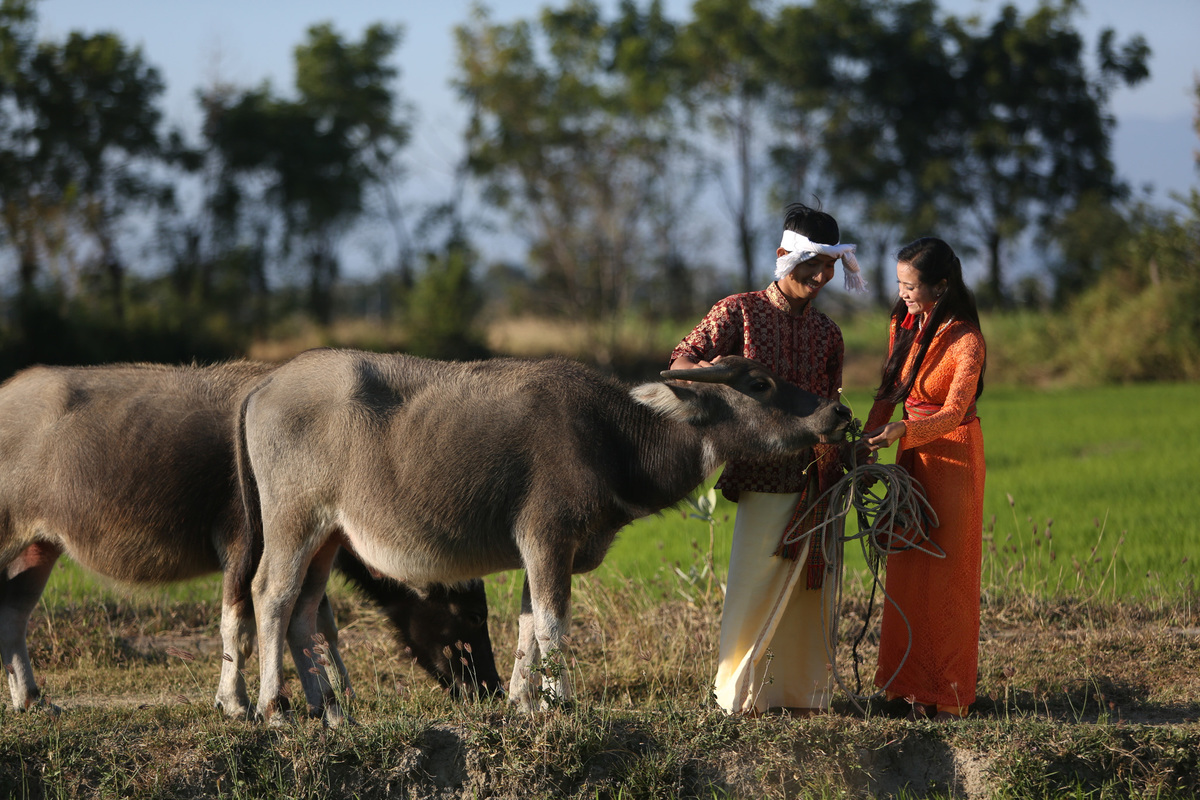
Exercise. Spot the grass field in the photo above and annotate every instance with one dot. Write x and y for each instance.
(1089, 661)
(1108, 469)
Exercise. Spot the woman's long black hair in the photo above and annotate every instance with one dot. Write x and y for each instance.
(934, 260)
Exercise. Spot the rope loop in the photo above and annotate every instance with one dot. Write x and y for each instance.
(894, 516)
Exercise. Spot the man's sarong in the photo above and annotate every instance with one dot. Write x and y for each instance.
(774, 650)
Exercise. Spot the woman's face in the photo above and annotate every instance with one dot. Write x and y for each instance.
(919, 297)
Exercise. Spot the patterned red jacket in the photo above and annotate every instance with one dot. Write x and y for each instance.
(807, 350)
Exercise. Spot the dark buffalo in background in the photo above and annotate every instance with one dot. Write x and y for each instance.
(443, 629)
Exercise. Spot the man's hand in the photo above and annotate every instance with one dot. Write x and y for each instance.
(687, 362)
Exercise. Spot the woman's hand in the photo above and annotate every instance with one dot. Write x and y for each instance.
(887, 435)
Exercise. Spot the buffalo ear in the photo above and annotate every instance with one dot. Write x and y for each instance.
(676, 400)
(683, 393)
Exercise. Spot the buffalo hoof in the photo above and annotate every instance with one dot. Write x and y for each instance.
(335, 718)
(526, 701)
(42, 706)
(277, 713)
(331, 713)
(238, 711)
(539, 700)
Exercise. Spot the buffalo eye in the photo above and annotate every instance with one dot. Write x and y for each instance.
(476, 620)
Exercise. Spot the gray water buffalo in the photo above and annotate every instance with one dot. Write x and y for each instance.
(439, 472)
(130, 470)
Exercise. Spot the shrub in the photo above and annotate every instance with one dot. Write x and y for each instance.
(1141, 320)
(443, 307)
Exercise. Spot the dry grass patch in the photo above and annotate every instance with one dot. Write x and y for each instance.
(1077, 698)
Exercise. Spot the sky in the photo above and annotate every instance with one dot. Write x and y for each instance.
(194, 43)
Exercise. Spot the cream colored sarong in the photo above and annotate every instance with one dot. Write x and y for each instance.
(773, 645)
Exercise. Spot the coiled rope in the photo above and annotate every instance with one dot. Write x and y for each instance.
(893, 516)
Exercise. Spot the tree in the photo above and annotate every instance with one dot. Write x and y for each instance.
(349, 86)
(1082, 237)
(571, 137)
(878, 78)
(801, 90)
(942, 124)
(315, 157)
(729, 73)
(1037, 131)
(443, 306)
(1136, 317)
(1196, 123)
(96, 103)
(81, 126)
(20, 201)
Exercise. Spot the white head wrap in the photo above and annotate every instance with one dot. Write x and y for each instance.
(800, 248)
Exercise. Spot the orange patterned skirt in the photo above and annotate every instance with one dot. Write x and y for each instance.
(939, 597)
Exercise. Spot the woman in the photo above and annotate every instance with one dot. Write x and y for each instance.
(776, 646)
(935, 366)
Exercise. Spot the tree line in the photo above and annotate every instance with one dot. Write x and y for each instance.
(604, 141)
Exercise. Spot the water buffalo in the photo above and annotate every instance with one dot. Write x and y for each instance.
(438, 471)
(130, 470)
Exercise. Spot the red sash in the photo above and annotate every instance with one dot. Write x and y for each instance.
(807, 515)
(915, 410)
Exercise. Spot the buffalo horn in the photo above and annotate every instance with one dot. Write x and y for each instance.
(717, 373)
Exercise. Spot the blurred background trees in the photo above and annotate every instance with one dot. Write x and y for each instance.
(617, 149)
(78, 143)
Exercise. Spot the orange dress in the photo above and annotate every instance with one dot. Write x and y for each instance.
(943, 450)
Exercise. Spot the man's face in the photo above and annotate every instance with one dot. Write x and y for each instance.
(809, 277)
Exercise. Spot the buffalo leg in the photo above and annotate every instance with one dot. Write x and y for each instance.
(545, 620)
(276, 587)
(525, 684)
(21, 587)
(312, 638)
(237, 642)
(327, 628)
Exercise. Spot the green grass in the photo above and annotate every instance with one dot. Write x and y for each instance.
(1107, 465)
(1113, 467)
(71, 582)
